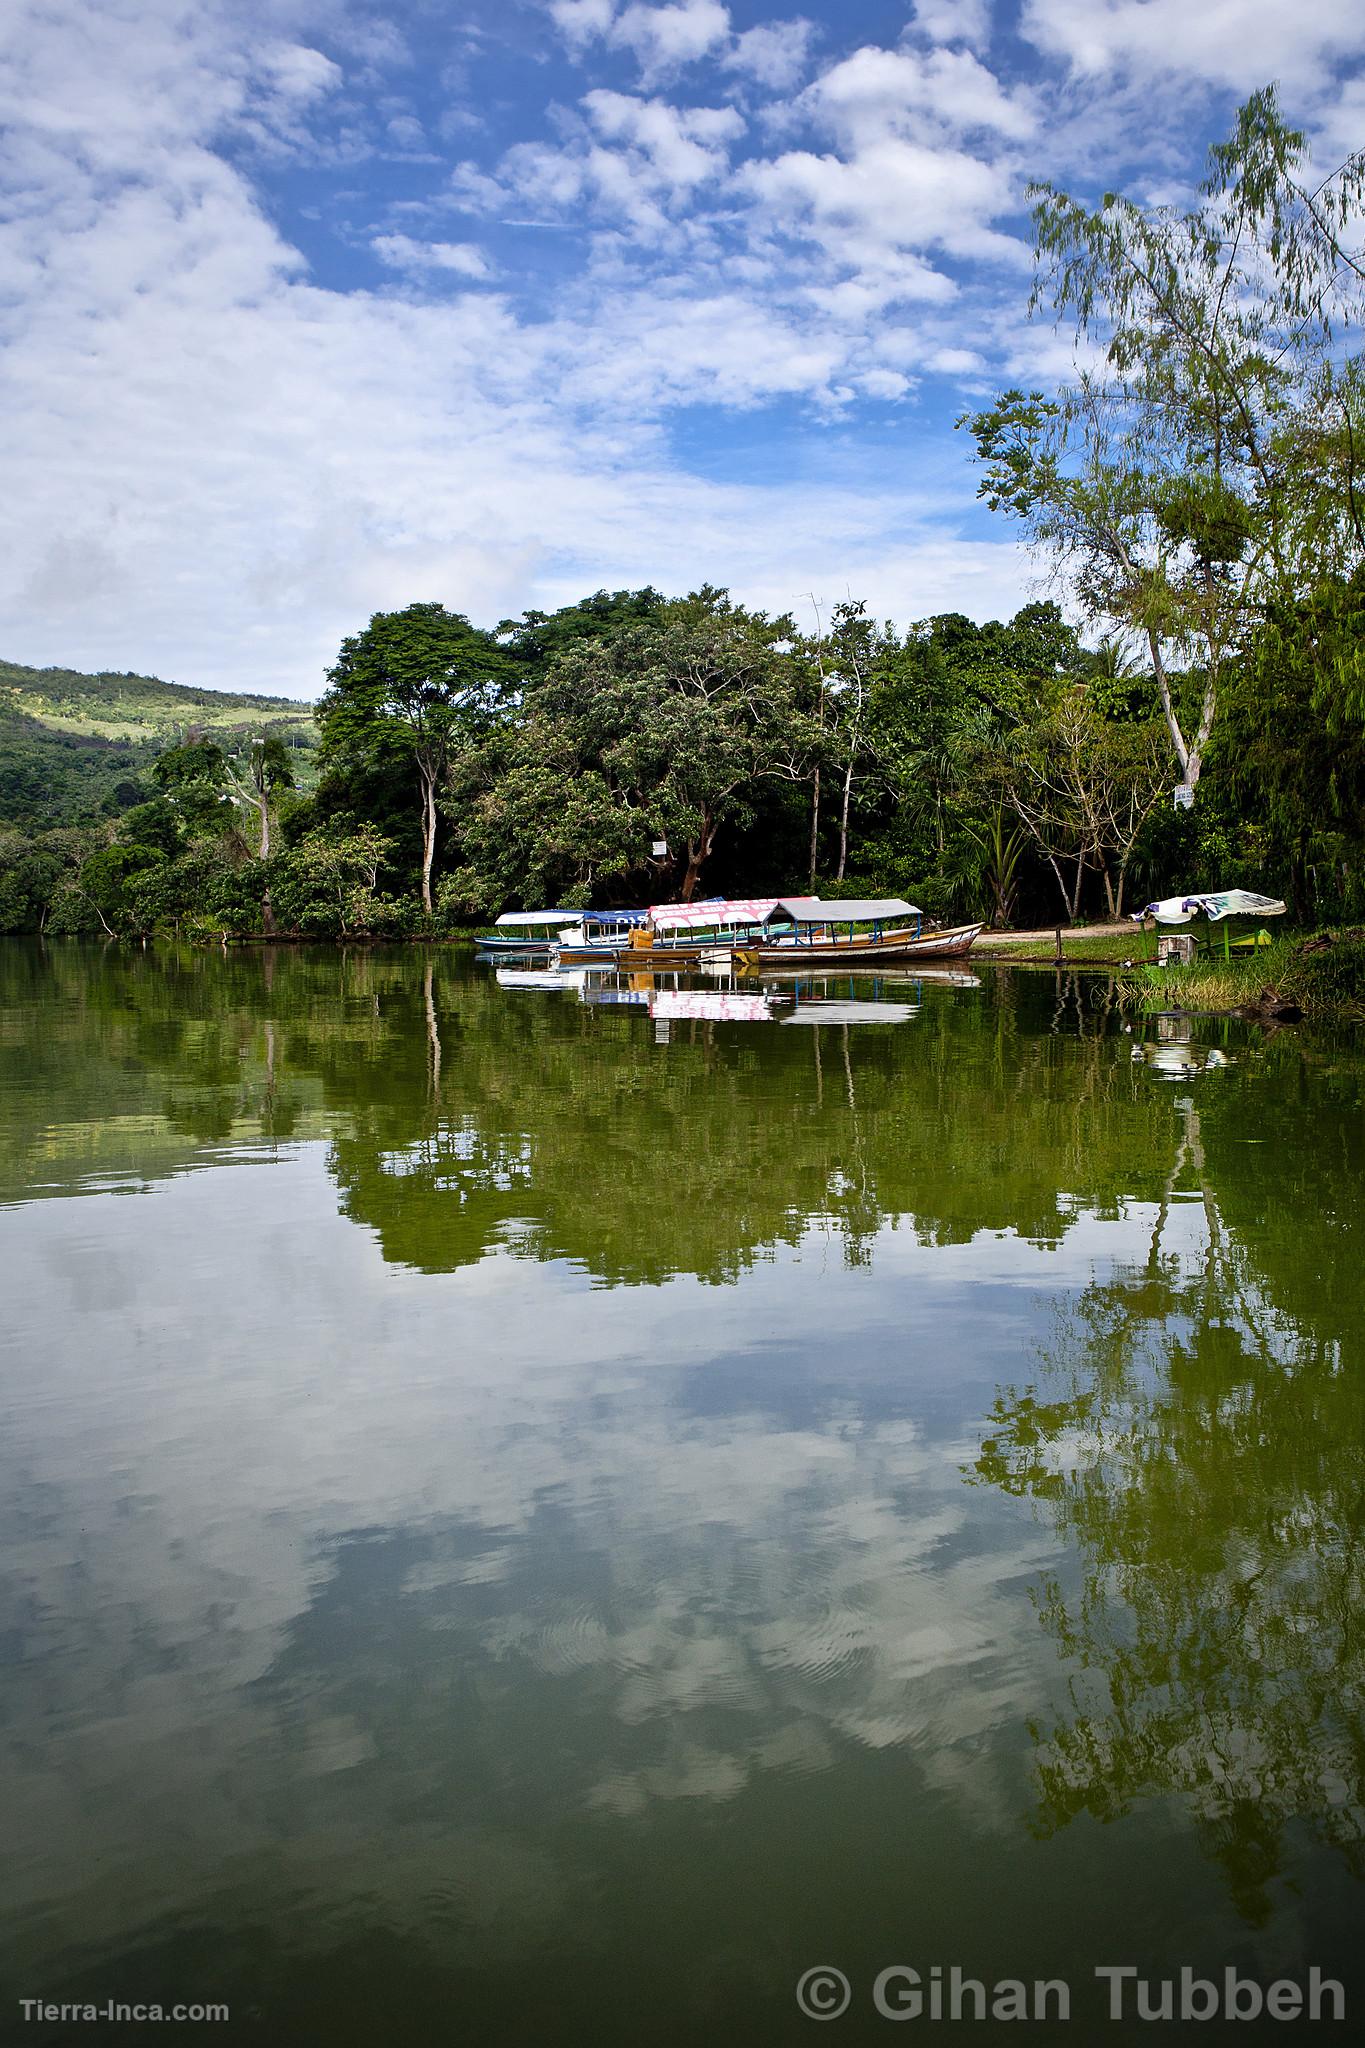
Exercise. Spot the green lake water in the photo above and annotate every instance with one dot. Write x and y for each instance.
(531, 1519)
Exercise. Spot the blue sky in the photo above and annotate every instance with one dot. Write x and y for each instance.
(308, 309)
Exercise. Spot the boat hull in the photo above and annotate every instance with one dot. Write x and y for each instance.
(634, 959)
(953, 944)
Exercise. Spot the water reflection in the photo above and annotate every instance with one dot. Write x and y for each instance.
(493, 1504)
(1196, 1433)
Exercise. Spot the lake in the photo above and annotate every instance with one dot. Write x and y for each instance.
(542, 1515)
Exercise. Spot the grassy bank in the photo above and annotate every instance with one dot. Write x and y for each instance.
(1322, 975)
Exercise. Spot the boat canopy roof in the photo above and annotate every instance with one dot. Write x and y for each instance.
(620, 918)
(717, 912)
(872, 910)
(1221, 903)
(525, 917)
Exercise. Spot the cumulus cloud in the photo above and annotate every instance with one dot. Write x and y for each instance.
(217, 456)
(894, 195)
(215, 465)
(774, 55)
(666, 38)
(1239, 44)
(955, 21)
(580, 20)
(683, 146)
(876, 92)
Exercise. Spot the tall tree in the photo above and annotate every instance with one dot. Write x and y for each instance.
(1214, 459)
(656, 734)
(268, 770)
(421, 685)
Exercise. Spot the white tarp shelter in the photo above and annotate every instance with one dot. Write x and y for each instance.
(1216, 906)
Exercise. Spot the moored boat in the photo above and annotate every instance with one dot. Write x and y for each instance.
(668, 936)
(801, 933)
(525, 934)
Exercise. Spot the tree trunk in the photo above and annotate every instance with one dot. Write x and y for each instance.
(1061, 885)
(697, 851)
(1109, 891)
(843, 821)
(428, 833)
(814, 828)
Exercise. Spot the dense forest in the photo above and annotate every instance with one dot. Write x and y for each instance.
(1188, 709)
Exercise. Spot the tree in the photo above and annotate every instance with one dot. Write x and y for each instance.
(268, 770)
(657, 732)
(1215, 458)
(340, 868)
(1082, 787)
(418, 685)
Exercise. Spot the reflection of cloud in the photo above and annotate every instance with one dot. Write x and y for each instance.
(257, 1569)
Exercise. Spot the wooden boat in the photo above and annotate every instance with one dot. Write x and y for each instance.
(634, 952)
(668, 936)
(786, 934)
(525, 934)
(803, 933)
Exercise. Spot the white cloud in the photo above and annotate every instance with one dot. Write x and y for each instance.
(401, 252)
(774, 55)
(893, 196)
(300, 73)
(683, 146)
(214, 464)
(877, 92)
(579, 21)
(1239, 44)
(666, 38)
(955, 21)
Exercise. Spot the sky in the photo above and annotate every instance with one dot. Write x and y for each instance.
(309, 310)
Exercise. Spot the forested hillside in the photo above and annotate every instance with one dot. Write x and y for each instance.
(129, 707)
(77, 749)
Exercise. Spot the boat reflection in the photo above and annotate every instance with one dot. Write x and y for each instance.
(681, 998)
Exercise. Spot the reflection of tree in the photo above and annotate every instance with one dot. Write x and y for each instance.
(461, 1116)
(1204, 1449)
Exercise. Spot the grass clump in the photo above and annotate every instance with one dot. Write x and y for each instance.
(1322, 975)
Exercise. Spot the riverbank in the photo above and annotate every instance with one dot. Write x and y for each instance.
(1319, 974)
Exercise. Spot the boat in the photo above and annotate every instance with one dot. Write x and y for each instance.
(614, 938)
(525, 934)
(801, 933)
(668, 936)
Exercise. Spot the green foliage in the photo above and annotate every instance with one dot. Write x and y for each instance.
(656, 731)
(328, 885)
(142, 708)
(1210, 472)
(415, 691)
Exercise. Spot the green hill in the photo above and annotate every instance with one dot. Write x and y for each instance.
(74, 747)
(125, 707)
